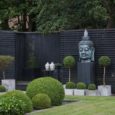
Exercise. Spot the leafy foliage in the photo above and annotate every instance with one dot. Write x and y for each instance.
(70, 85)
(56, 15)
(11, 106)
(5, 61)
(104, 61)
(32, 62)
(2, 88)
(19, 95)
(92, 86)
(41, 101)
(69, 61)
(50, 86)
(81, 85)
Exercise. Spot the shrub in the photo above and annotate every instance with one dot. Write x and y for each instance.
(2, 88)
(5, 61)
(92, 86)
(50, 86)
(32, 62)
(70, 85)
(104, 61)
(21, 96)
(81, 85)
(11, 106)
(41, 101)
(69, 62)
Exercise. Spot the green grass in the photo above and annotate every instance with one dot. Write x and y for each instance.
(83, 106)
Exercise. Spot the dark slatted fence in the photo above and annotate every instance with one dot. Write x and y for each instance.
(54, 47)
(7, 47)
(104, 41)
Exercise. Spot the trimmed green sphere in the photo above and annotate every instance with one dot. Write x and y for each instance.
(2, 88)
(70, 85)
(28, 107)
(81, 85)
(104, 61)
(69, 61)
(41, 101)
(50, 86)
(92, 86)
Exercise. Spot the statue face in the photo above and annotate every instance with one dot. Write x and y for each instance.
(85, 52)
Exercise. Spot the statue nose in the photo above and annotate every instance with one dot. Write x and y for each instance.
(83, 51)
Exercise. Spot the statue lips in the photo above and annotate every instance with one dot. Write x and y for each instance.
(83, 55)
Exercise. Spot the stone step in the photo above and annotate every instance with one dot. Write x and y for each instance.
(21, 85)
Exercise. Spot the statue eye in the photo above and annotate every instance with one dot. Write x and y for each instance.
(86, 49)
(81, 49)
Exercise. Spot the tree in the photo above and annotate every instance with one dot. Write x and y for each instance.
(56, 15)
(19, 9)
(109, 5)
(69, 62)
(63, 15)
(104, 61)
(5, 61)
(7, 10)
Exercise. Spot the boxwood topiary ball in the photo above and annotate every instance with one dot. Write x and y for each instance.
(50, 86)
(70, 85)
(21, 96)
(41, 101)
(81, 85)
(92, 86)
(2, 88)
(11, 106)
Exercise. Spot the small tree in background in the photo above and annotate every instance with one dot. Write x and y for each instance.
(104, 61)
(69, 62)
(5, 61)
(32, 62)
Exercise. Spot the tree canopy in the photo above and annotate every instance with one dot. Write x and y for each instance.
(55, 15)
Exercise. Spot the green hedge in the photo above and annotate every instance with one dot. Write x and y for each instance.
(2, 88)
(81, 85)
(11, 106)
(92, 86)
(21, 96)
(70, 85)
(41, 101)
(50, 86)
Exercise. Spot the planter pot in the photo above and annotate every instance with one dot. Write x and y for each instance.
(104, 90)
(92, 93)
(9, 84)
(69, 91)
(79, 92)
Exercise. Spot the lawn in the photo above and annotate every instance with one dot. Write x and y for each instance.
(83, 106)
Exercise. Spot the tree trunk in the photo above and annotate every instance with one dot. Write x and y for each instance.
(3, 73)
(32, 23)
(5, 25)
(104, 76)
(24, 28)
(69, 75)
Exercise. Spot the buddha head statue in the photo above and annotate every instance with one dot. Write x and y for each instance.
(86, 49)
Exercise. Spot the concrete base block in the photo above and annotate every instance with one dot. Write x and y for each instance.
(9, 84)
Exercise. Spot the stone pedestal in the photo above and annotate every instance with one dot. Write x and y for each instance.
(85, 72)
(9, 84)
(104, 90)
